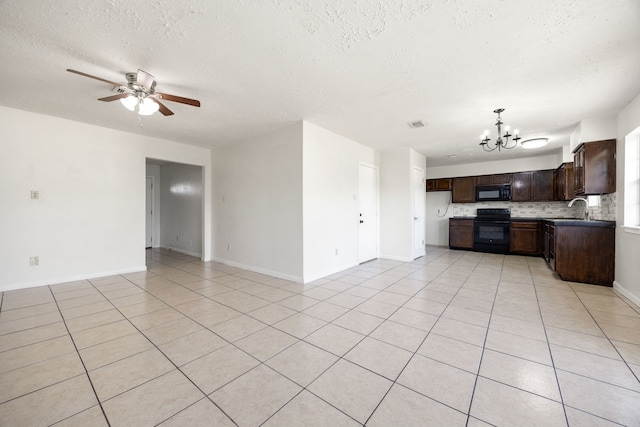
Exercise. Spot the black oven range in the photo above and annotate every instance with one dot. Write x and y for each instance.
(491, 230)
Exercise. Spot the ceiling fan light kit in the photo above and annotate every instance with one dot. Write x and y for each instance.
(140, 92)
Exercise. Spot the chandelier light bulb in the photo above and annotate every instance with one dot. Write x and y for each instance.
(502, 141)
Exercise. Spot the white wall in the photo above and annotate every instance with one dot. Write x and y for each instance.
(258, 203)
(437, 217)
(497, 166)
(330, 204)
(181, 208)
(627, 244)
(90, 218)
(598, 129)
(396, 204)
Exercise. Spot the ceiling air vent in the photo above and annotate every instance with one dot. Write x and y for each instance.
(416, 124)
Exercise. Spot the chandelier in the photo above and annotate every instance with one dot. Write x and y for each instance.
(500, 143)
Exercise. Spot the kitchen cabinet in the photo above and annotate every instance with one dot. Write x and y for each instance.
(525, 237)
(521, 187)
(594, 167)
(549, 246)
(542, 185)
(464, 190)
(440, 184)
(564, 182)
(581, 251)
(460, 233)
(496, 179)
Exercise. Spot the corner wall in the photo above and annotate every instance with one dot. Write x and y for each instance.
(627, 244)
(258, 203)
(396, 203)
(90, 218)
(330, 200)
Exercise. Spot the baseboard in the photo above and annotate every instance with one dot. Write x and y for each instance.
(56, 281)
(277, 274)
(182, 251)
(618, 287)
(396, 258)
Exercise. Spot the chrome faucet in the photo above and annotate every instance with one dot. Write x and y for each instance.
(586, 206)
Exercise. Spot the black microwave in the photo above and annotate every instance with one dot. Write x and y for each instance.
(488, 193)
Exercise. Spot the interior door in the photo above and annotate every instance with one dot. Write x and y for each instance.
(367, 213)
(149, 213)
(419, 200)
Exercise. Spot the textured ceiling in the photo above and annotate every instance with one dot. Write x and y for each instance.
(362, 69)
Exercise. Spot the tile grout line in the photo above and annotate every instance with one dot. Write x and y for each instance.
(394, 381)
(339, 358)
(86, 371)
(168, 359)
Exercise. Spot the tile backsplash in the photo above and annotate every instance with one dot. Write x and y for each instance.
(606, 211)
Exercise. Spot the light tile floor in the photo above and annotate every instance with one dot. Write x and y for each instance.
(451, 339)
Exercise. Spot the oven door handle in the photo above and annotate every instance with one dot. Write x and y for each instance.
(485, 221)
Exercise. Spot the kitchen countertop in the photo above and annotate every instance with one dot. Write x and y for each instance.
(581, 222)
(571, 222)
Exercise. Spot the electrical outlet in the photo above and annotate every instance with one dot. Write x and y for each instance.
(228, 247)
(35, 194)
(34, 261)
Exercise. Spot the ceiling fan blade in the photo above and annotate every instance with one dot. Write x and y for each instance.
(144, 79)
(174, 98)
(114, 97)
(80, 73)
(163, 109)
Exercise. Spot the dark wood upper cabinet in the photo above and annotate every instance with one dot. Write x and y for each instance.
(542, 185)
(440, 184)
(502, 178)
(521, 187)
(464, 190)
(564, 182)
(594, 167)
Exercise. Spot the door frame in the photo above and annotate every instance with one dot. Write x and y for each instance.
(376, 170)
(152, 217)
(423, 199)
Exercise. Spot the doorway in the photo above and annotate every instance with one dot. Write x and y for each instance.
(419, 201)
(176, 218)
(149, 213)
(367, 213)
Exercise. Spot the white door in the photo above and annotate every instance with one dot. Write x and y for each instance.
(419, 200)
(367, 213)
(149, 213)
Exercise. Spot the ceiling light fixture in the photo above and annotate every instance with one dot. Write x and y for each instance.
(500, 142)
(146, 106)
(534, 143)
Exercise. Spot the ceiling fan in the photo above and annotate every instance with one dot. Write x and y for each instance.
(140, 91)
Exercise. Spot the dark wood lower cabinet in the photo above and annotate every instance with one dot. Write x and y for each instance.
(581, 251)
(525, 237)
(578, 251)
(460, 233)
